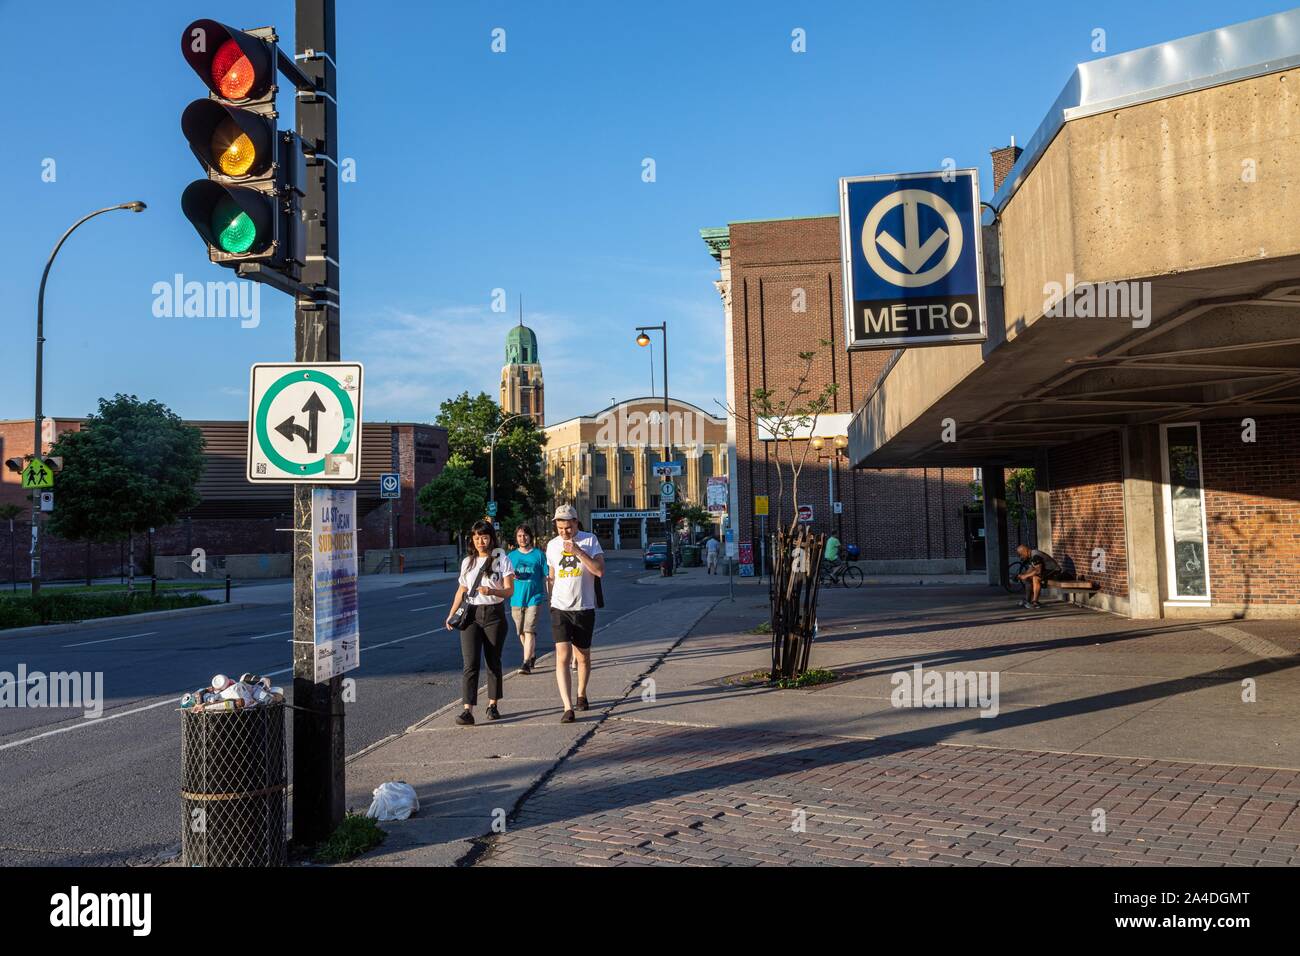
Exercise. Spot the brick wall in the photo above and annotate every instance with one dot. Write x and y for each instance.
(1252, 507)
(776, 267)
(1088, 509)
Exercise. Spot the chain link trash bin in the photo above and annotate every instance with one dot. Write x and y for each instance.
(234, 787)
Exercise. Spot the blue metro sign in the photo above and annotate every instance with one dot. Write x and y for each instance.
(911, 245)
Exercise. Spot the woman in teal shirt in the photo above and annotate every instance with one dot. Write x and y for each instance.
(530, 593)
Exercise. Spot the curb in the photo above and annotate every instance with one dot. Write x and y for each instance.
(119, 619)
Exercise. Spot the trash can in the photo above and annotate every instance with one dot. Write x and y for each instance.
(691, 556)
(234, 787)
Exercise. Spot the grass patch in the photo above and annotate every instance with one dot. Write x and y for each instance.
(54, 606)
(357, 834)
(764, 628)
(141, 584)
(809, 678)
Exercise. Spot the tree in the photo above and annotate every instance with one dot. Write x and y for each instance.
(693, 515)
(791, 420)
(7, 515)
(133, 466)
(469, 421)
(454, 500)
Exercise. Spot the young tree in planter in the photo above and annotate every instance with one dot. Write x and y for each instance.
(133, 466)
(454, 500)
(791, 419)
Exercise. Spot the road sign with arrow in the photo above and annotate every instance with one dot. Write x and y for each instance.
(911, 246)
(304, 423)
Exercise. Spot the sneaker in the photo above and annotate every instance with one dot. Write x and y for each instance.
(493, 713)
(466, 718)
(582, 703)
(526, 667)
(1033, 605)
(566, 717)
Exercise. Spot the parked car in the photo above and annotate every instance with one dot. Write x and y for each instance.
(654, 555)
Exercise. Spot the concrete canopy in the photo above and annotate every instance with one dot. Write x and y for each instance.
(1177, 212)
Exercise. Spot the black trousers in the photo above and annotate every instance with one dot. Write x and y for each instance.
(486, 636)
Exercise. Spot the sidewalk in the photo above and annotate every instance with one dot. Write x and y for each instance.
(468, 778)
(1116, 743)
(280, 591)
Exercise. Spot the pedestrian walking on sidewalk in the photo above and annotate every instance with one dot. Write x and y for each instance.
(711, 551)
(530, 591)
(574, 564)
(486, 580)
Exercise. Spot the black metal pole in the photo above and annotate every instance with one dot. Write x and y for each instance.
(318, 743)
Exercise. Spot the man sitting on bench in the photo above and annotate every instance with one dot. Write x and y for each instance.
(1042, 567)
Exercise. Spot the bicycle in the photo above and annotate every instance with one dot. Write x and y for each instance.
(842, 573)
(1013, 584)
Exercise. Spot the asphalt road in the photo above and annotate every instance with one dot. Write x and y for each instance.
(104, 791)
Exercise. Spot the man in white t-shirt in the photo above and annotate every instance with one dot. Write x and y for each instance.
(574, 560)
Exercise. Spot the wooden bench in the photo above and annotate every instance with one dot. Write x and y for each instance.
(1072, 585)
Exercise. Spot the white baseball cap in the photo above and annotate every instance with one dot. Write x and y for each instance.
(566, 513)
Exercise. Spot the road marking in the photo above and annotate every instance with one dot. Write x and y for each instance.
(174, 700)
(107, 640)
(371, 647)
(272, 634)
(407, 597)
(431, 607)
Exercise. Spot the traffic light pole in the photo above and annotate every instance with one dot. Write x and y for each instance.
(318, 742)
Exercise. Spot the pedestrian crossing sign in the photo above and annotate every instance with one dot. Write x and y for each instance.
(37, 474)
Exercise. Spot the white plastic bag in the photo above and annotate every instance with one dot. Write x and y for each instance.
(394, 800)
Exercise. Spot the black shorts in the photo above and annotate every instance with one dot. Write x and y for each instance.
(573, 627)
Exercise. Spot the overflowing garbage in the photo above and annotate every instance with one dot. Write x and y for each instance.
(224, 694)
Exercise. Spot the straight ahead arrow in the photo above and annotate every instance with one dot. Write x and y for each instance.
(290, 429)
(911, 253)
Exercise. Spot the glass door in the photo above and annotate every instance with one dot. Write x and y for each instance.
(1185, 537)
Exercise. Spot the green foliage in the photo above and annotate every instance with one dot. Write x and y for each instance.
(454, 500)
(9, 512)
(518, 462)
(680, 511)
(357, 834)
(56, 605)
(809, 678)
(132, 466)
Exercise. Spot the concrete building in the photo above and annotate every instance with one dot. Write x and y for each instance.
(1144, 293)
(233, 517)
(522, 389)
(602, 464)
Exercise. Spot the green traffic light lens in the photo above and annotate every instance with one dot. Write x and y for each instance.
(233, 227)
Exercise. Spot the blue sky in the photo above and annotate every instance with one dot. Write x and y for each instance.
(520, 171)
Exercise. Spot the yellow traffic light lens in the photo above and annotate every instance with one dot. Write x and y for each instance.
(233, 149)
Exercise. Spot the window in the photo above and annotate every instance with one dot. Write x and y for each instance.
(523, 376)
(654, 501)
(706, 466)
(599, 464)
(602, 502)
(629, 501)
(1184, 499)
(523, 402)
(629, 463)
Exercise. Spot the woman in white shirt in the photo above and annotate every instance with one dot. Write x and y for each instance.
(486, 634)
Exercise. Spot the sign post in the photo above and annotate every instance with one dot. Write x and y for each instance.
(911, 246)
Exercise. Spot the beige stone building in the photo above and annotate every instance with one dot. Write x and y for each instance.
(603, 464)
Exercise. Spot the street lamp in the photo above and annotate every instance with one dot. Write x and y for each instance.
(839, 443)
(492, 459)
(135, 206)
(643, 339)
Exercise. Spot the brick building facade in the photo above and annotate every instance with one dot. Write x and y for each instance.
(781, 289)
(233, 516)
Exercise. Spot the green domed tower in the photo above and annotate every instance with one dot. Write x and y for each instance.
(522, 391)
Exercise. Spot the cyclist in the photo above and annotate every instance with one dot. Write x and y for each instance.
(1041, 567)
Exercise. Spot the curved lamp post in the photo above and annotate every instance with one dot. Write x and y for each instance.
(135, 206)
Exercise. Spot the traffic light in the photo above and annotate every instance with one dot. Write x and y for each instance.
(248, 209)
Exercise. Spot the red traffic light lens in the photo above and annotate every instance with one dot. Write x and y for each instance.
(232, 72)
